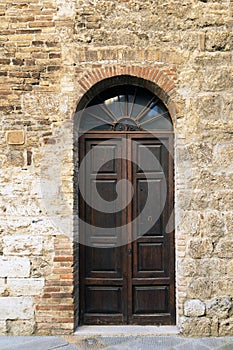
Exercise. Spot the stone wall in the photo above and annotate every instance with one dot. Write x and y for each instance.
(51, 53)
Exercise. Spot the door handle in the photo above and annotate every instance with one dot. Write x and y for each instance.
(129, 251)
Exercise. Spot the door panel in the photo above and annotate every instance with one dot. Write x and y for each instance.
(103, 300)
(150, 300)
(129, 283)
(152, 252)
(150, 257)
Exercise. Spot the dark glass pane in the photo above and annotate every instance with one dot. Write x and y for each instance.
(107, 110)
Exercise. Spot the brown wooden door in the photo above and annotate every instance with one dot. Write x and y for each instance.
(126, 274)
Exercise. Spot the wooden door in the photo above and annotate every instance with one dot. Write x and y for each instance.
(126, 274)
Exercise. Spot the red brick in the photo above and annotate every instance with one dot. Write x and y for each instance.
(67, 276)
(63, 258)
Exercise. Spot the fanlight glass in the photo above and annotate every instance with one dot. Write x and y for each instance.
(125, 107)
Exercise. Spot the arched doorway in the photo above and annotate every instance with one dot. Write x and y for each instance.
(126, 254)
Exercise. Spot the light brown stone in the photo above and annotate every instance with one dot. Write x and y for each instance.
(224, 248)
(200, 248)
(3, 328)
(15, 137)
(226, 327)
(195, 326)
(21, 327)
(200, 288)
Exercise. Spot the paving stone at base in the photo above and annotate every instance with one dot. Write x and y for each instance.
(215, 343)
(67, 347)
(29, 343)
(165, 343)
(116, 343)
(191, 345)
(228, 346)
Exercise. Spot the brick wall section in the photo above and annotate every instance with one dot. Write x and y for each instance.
(54, 309)
(164, 79)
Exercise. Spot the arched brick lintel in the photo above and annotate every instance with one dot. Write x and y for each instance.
(162, 78)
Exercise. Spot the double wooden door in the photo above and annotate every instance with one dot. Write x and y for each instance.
(127, 249)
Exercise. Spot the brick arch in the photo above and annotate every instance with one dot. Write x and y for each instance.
(163, 78)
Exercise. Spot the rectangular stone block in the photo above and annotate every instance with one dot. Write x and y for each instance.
(2, 285)
(15, 137)
(16, 308)
(24, 286)
(3, 328)
(22, 245)
(14, 267)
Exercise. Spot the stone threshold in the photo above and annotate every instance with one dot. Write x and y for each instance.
(127, 330)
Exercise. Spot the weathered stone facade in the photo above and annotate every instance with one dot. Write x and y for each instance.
(51, 53)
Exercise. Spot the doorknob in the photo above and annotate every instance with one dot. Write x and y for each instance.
(130, 251)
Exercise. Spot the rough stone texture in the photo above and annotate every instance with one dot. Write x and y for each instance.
(219, 307)
(21, 327)
(16, 308)
(22, 245)
(195, 326)
(51, 53)
(3, 328)
(194, 308)
(14, 267)
(200, 248)
(225, 327)
(24, 286)
(200, 287)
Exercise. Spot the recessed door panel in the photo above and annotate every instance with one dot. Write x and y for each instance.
(150, 257)
(101, 262)
(103, 300)
(151, 300)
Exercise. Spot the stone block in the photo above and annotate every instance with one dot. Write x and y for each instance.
(21, 327)
(16, 158)
(211, 267)
(222, 158)
(214, 326)
(186, 267)
(3, 328)
(200, 288)
(226, 327)
(16, 308)
(22, 245)
(219, 307)
(25, 286)
(219, 41)
(2, 285)
(222, 286)
(195, 326)
(229, 222)
(217, 80)
(200, 248)
(14, 267)
(15, 137)
(194, 308)
(208, 106)
(224, 248)
(212, 224)
(227, 108)
(230, 268)
(41, 266)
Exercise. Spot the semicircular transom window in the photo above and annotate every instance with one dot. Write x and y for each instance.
(125, 108)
